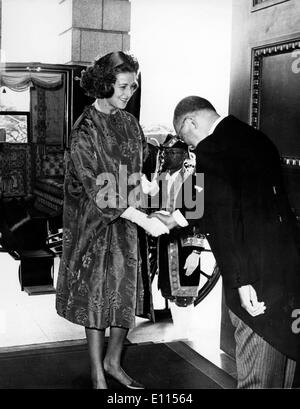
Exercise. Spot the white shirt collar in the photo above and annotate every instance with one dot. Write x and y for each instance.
(171, 179)
(214, 125)
(173, 176)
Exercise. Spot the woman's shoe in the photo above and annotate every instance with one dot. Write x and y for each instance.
(132, 385)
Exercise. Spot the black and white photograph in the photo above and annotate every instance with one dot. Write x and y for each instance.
(150, 197)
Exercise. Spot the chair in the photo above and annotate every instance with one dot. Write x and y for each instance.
(25, 238)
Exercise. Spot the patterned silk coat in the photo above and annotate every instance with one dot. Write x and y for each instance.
(100, 282)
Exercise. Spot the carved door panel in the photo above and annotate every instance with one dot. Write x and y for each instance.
(15, 173)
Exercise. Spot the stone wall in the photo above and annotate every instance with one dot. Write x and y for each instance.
(93, 27)
(0, 23)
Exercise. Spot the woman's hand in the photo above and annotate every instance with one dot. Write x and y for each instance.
(153, 227)
(168, 220)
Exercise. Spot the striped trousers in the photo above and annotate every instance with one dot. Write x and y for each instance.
(259, 365)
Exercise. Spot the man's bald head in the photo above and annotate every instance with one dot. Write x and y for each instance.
(190, 105)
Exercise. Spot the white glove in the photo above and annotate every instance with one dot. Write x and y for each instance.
(152, 226)
(156, 227)
(149, 188)
(191, 263)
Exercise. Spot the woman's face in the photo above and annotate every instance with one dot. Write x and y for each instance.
(126, 84)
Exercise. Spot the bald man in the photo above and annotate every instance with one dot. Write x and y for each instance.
(253, 235)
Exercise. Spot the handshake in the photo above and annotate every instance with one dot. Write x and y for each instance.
(153, 225)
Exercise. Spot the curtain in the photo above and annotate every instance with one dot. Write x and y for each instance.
(20, 81)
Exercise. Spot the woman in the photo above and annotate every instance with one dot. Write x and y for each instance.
(99, 281)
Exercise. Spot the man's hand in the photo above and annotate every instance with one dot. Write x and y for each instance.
(249, 301)
(154, 227)
(191, 263)
(168, 220)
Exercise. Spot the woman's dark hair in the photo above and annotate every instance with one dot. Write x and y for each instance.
(97, 80)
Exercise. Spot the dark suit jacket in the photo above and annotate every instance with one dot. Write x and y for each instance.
(251, 228)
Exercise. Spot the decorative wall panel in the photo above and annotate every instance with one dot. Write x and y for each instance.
(15, 170)
(48, 116)
(274, 109)
(276, 89)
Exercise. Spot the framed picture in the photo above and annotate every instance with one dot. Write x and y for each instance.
(262, 4)
(14, 126)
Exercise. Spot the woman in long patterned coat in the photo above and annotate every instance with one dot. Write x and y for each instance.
(99, 281)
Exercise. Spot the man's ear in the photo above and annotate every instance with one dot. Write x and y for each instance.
(193, 122)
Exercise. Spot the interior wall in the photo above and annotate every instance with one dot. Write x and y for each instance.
(30, 30)
(184, 49)
(252, 29)
(0, 23)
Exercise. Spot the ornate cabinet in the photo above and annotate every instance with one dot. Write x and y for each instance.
(51, 91)
(15, 169)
